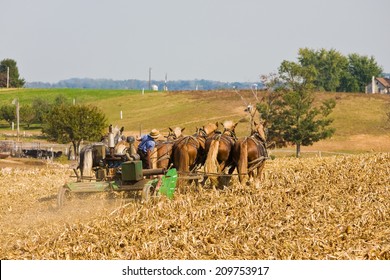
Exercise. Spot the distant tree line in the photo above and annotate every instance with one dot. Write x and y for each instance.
(332, 70)
(140, 84)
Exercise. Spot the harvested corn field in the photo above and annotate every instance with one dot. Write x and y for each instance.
(317, 208)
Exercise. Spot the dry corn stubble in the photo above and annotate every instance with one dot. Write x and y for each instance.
(318, 208)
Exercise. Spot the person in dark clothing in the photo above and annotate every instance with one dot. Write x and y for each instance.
(145, 148)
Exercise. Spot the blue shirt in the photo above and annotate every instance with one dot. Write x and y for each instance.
(147, 143)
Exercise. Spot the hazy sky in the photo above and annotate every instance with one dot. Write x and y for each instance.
(223, 40)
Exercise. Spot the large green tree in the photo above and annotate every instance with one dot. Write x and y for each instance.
(74, 123)
(360, 70)
(329, 66)
(293, 118)
(14, 80)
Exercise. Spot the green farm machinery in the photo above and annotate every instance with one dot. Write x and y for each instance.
(118, 173)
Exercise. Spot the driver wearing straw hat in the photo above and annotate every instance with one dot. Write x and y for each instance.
(146, 147)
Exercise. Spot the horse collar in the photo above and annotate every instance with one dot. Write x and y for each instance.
(258, 137)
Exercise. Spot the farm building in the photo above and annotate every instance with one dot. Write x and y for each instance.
(378, 85)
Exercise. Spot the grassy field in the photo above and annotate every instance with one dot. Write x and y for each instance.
(359, 119)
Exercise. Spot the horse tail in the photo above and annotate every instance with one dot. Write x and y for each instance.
(211, 165)
(180, 158)
(242, 165)
(181, 161)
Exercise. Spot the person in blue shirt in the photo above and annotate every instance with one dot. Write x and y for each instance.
(145, 148)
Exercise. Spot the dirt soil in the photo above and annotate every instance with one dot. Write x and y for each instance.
(25, 163)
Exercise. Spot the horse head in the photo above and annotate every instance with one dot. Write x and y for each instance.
(117, 134)
(210, 128)
(175, 133)
(259, 131)
(229, 129)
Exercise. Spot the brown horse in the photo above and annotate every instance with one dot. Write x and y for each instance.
(188, 151)
(219, 156)
(164, 148)
(250, 153)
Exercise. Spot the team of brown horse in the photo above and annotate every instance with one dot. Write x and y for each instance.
(220, 152)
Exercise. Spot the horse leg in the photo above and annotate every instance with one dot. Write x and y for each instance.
(230, 172)
(196, 180)
(259, 174)
(251, 176)
(222, 179)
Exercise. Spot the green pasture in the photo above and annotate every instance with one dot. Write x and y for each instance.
(354, 113)
(80, 95)
(361, 114)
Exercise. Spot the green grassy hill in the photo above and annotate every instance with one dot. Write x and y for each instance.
(356, 116)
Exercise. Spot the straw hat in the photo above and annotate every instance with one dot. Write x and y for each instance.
(154, 134)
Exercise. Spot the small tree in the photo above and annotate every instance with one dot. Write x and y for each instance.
(7, 113)
(27, 115)
(42, 107)
(74, 123)
(291, 116)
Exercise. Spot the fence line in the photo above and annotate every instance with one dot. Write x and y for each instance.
(319, 153)
(39, 149)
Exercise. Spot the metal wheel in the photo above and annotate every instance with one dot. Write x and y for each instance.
(147, 192)
(63, 196)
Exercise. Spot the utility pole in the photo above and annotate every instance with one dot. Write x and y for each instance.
(16, 102)
(165, 83)
(150, 78)
(7, 77)
(17, 119)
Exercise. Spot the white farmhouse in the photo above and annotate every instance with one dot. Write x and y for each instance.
(378, 85)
